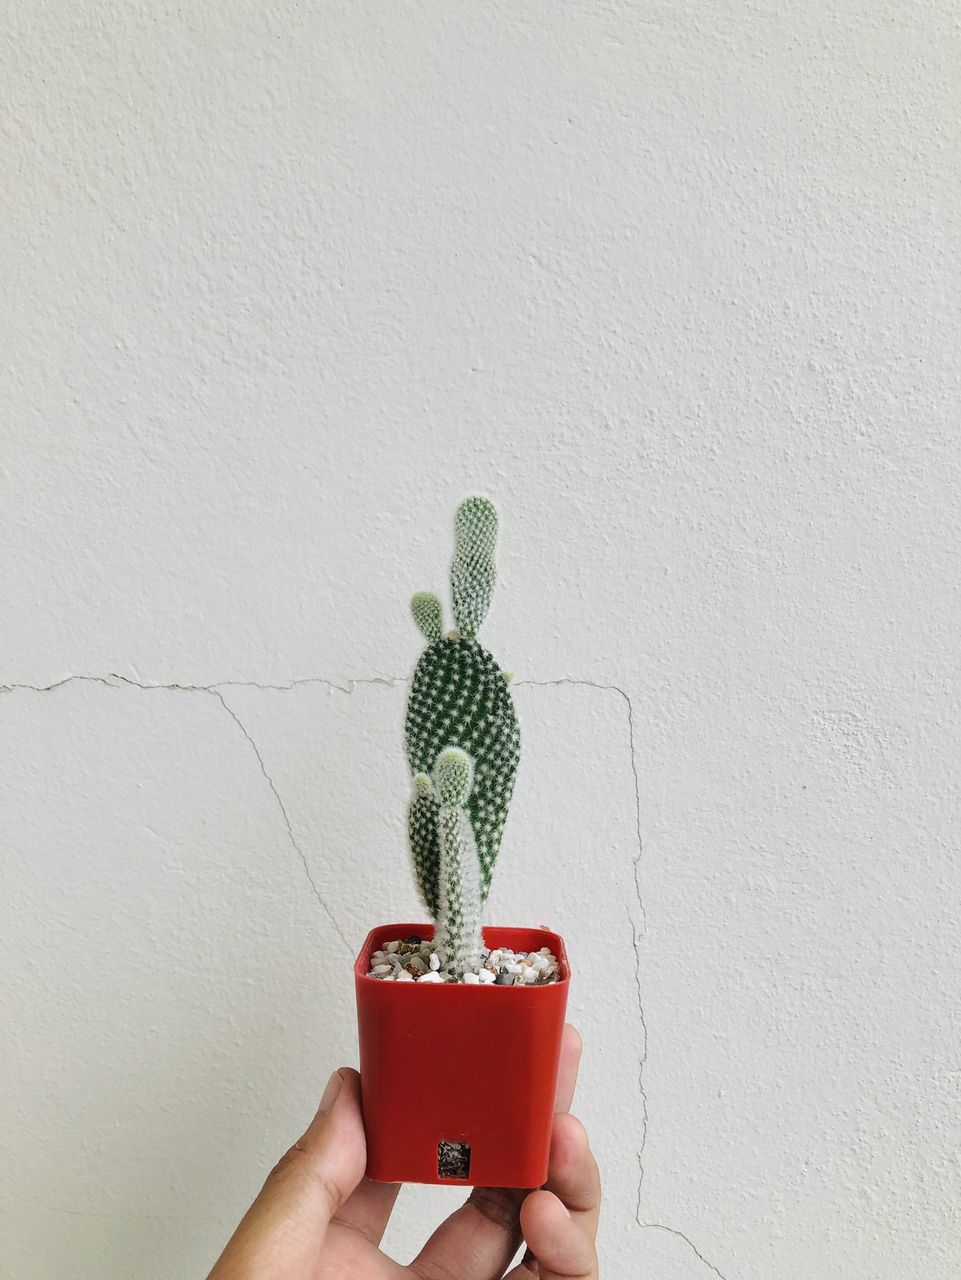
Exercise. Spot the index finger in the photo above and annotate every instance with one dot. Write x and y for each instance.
(574, 1181)
(571, 1047)
(284, 1230)
(574, 1177)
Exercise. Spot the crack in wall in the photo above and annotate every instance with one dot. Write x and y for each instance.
(613, 688)
(642, 1063)
(114, 681)
(214, 689)
(659, 1226)
(286, 819)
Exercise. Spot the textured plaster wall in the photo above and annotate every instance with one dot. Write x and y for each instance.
(675, 284)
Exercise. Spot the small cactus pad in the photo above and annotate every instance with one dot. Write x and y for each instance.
(453, 776)
(424, 842)
(459, 934)
(472, 570)
(426, 610)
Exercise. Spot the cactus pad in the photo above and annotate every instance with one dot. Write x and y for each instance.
(459, 695)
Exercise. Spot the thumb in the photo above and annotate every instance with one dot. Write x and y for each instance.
(562, 1247)
(284, 1230)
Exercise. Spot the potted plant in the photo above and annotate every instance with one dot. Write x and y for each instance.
(460, 1025)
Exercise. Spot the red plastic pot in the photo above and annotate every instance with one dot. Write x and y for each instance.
(459, 1076)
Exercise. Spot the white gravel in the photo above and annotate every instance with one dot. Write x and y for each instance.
(412, 960)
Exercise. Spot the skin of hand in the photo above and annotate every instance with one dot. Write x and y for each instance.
(319, 1218)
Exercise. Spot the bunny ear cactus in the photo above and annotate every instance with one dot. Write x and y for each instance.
(463, 745)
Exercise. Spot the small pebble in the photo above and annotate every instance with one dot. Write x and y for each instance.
(382, 968)
(485, 977)
(504, 980)
(392, 947)
(404, 976)
(431, 977)
(530, 975)
(435, 962)
(471, 979)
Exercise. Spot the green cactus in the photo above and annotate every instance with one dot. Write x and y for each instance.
(459, 938)
(460, 699)
(424, 837)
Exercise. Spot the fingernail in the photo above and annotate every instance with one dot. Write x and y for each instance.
(331, 1092)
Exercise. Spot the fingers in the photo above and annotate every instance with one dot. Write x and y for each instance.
(368, 1208)
(284, 1230)
(571, 1046)
(573, 1175)
(556, 1239)
(563, 1249)
(480, 1238)
(477, 1241)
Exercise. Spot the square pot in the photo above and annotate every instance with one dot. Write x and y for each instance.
(458, 1080)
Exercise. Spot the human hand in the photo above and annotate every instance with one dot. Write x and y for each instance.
(319, 1218)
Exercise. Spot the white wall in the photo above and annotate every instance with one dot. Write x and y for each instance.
(676, 285)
